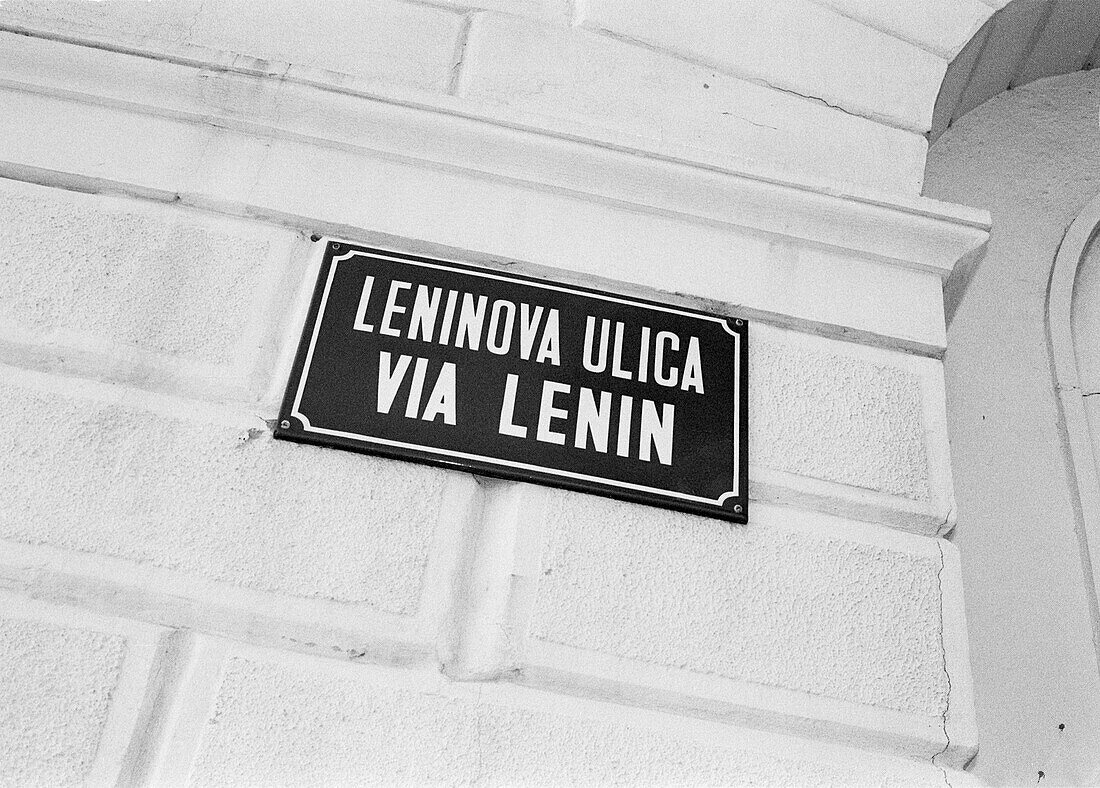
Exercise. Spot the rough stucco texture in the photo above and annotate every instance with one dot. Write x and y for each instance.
(1029, 156)
(215, 501)
(322, 38)
(835, 416)
(55, 690)
(112, 270)
(317, 728)
(830, 617)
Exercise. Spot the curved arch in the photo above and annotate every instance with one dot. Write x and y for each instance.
(1023, 41)
(1076, 434)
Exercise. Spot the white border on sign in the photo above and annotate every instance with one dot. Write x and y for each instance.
(296, 412)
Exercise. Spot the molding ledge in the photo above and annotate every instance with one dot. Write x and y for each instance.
(296, 105)
(1077, 436)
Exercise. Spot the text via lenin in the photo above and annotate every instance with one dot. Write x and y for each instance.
(587, 417)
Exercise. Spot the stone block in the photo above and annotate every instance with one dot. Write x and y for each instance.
(209, 493)
(796, 46)
(384, 40)
(321, 724)
(940, 26)
(168, 296)
(553, 11)
(55, 694)
(791, 601)
(841, 413)
(589, 209)
(71, 692)
(598, 80)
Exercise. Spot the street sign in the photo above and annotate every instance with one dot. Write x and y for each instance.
(505, 375)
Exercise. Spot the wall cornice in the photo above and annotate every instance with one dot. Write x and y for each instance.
(299, 105)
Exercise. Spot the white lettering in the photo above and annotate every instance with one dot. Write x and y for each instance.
(643, 356)
(657, 432)
(448, 316)
(547, 412)
(442, 399)
(361, 323)
(508, 408)
(622, 439)
(389, 379)
(591, 363)
(548, 347)
(659, 375)
(593, 420)
(528, 329)
(470, 321)
(617, 356)
(425, 308)
(412, 407)
(693, 368)
(392, 308)
(500, 347)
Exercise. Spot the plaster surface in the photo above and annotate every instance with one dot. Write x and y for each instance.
(113, 276)
(1086, 320)
(738, 82)
(782, 608)
(169, 101)
(321, 727)
(331, 36)
(223, 501)
(607, 81)
(55, 692)
(824, 411)
(853, 66)
(579, 199)
(1029, 156)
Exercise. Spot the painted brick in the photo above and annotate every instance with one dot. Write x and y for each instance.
(131, 281)
(454, 207)
(55, 694)
(322, 726)
(403, 43)
(940, 26)
(594, 79)
(795, 46)
(838, 412)
(219, 499)
(789, 607)
(554, 11)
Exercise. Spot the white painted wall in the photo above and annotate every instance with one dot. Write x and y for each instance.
(254, 610)
(1029, 156)
(840, 93)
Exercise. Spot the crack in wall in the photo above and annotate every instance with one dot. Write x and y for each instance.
(189, 35)
(808, 97)
(946, 673)
(477, 731)
(751, 123)
(736, 74)
(456, 86)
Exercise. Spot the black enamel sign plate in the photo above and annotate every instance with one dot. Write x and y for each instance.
(522, 378)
